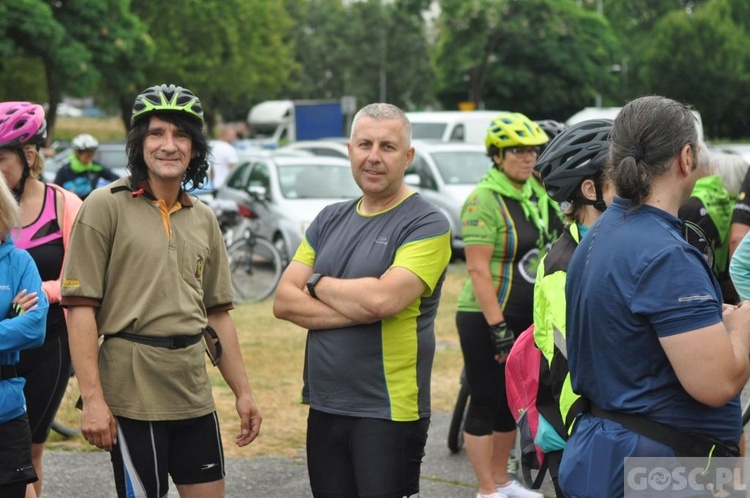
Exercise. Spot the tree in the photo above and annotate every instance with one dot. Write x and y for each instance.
(119, 49)
(68, 46)
(33, 34)
(545, 58)
(227, 52)
(634, 22)
(712, 72)
(362, 49)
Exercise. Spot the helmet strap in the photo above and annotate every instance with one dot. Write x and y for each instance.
(18, 191)
(599, 202)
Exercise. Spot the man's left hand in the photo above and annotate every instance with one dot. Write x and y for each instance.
(250, 420)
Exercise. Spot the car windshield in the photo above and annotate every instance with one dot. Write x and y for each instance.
(461, 167)
(427, 131)
(317, 181)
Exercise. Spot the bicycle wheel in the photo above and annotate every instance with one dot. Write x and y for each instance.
(256, 269)
(456, 429)
(67, 418)
(745, 404)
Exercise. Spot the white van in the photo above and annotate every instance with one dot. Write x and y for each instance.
(451, 126)
(611, 113)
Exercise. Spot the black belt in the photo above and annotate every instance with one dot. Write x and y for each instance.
(687, 444)
(8, 372)
(170, 342)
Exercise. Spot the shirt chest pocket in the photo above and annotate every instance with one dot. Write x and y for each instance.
(193, 262)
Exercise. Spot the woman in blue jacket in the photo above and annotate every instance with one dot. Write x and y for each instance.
(24, 306)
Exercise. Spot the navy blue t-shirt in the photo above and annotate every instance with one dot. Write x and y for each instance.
(633, 279)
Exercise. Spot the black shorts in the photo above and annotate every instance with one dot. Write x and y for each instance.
(350, 457)
(15, 452)
(148, 451)
(47, 371)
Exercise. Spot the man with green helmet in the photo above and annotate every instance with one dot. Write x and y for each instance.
(147, 270)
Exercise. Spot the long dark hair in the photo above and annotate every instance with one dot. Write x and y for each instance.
(196, 174)
(646, 135)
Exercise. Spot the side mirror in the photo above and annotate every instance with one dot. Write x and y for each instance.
(413, 180)
(258, 193)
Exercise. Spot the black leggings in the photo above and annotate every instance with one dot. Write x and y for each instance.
(488, 404)
(47, 371)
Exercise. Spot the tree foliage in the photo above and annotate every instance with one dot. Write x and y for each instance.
(78, 43)
(635, 24)
(227, 51)
(712, 72)
(349, 49)
(545, 58)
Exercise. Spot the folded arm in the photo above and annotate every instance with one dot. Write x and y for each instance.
(344, 302)
(712, 363)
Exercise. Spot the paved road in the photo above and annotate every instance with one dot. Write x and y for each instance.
(88, 474)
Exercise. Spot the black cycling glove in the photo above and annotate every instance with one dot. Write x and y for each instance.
(502, 338)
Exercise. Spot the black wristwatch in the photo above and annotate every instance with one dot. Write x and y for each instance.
(312, 282)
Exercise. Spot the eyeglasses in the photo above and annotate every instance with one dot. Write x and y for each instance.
(520, 151)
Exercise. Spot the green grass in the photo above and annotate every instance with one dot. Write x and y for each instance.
(109, 129)
(273, 352)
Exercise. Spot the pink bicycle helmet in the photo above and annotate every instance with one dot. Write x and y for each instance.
(21, 123)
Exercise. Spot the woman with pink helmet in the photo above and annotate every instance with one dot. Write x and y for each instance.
(47, 213)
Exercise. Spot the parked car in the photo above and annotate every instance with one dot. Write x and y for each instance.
(327, 148)
(451, 126)
(739, 149)
(64, 109)
(286, 192)
(445, 173)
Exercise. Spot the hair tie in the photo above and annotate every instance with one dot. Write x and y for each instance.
(637, 153)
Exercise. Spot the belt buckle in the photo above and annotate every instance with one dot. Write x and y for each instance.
(178, 342)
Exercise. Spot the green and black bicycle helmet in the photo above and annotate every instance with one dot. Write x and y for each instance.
(575, 154)
(513, 129)
(166, 98)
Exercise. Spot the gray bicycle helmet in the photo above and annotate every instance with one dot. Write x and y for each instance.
(575, 154)
(551, 127)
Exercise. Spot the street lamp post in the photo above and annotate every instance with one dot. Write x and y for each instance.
(383, 54)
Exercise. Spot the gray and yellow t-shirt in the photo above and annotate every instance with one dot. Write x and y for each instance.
(382, 369)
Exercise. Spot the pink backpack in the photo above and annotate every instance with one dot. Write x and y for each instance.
(521, 385)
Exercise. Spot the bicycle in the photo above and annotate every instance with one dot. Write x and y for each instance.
(458, 418)
(456, 428)
(255, 263)
(59, 425)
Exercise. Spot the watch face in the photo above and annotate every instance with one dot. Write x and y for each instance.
(311, 284)
(313, 279)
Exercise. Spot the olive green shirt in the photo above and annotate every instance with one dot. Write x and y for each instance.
(151, 272)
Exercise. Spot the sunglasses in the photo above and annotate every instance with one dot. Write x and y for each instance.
(520, 151)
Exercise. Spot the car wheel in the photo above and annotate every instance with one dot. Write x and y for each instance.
(280, 246)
